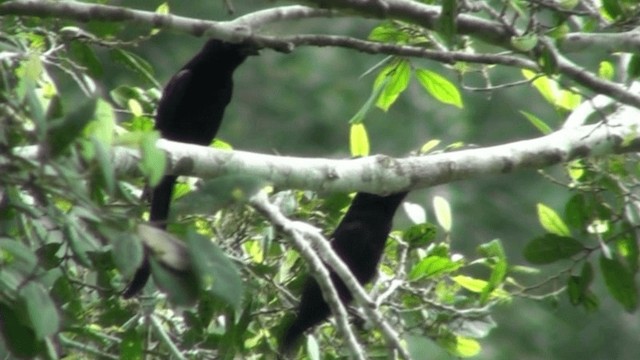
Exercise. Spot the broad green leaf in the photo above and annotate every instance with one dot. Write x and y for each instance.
(627, 247)
(420, 235)
(103, 125)
(105, 166)
(220, 144)
(568, 4)
(415, 212)
(358, 140)
(432, 266)
(134, 63)
(42, 312)
(537, 122)
(62, 134)
(551, 221)
(127, 252)
(216, 273)
(167, 249)
(613, 8)
(84, 55)
(620, 283)
(633, 69)
(606, 70)
(477, 286)
(545, 86)
(394, 79)
(375, 94)
(439, 87)
(495, 252)
(217, 193)
(153, 162)
(17, 337)
(181, 287)
(135, 107)
(429, 145)
(525, 42)
(443, 212)
(462, 346)
(568, 100)
(550, 248)
(388, 32)
(132, 345)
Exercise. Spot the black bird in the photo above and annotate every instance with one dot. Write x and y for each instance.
(190, 111)
(359, 241)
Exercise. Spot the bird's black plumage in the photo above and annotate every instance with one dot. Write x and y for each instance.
(359, 241)
(190, 111)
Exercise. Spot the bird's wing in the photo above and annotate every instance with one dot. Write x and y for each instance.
(172, 96)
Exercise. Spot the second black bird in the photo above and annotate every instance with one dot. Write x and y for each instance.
(191, 110)
(359, 240)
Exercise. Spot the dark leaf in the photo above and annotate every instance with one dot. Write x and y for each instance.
(217, 274)
(620, 283)
(181, 287)
(41, 310)
(19, 338)
(550, 248)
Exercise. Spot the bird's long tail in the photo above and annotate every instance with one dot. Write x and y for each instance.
(159, 213)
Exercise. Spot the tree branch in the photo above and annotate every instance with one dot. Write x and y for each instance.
(382, 174)
(295, 231)
(243, 29)
(315, 265)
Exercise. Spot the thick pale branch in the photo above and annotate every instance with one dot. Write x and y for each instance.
(382, 175)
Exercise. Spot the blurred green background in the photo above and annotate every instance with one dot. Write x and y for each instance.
(299, 104)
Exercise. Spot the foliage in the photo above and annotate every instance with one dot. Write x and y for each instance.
(71, 225)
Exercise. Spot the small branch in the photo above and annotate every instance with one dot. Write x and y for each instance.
(164, 337)
(607, 42)
(315, 265)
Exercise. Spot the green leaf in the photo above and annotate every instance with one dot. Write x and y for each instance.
(105, 166)
(41, 310)
(478, 286)
(537, 122)
(153, 162)
(620, 283)
(613, 8)
(420, 235)
(495, 252)
(181, 287)
(525, 42)
(633, 70)
(627, 247)
(606, 70)
(358, 140)
(217, 193)
(216, 273)
(84, 55)
(429, 145)
(127, 252)
(550, 248)
(461, 346)
(443, 212)
(388, 32)
(19, 338)
(362, 112)
(439, 87)
(394, 79)
(134, 63)
(132, 345)
(551, 221)
(62, 134)
(167, 249)
(432, 266)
